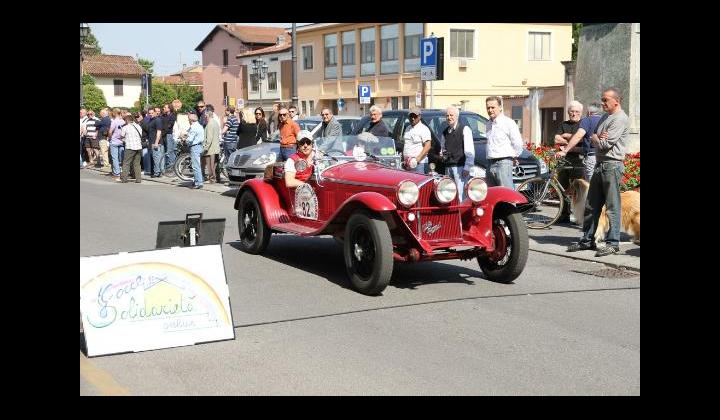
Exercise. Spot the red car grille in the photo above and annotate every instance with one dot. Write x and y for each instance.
(439, 223)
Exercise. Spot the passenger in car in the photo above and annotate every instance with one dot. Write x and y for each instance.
(299, 166)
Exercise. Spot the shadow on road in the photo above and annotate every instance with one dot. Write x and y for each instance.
(323, 257)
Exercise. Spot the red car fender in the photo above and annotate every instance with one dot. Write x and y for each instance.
(370, 200)
(268, 199)
(498, 194)
(503, 198)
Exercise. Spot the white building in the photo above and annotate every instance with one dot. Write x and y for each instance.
(118, 76)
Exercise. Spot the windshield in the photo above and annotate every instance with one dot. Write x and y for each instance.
(357, 146)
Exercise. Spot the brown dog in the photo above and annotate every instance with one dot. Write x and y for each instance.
(629, 213)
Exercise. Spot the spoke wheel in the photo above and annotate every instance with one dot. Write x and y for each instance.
(546, 203)
(254, 233)
(368, 253)
(183, 167)
(508, 259)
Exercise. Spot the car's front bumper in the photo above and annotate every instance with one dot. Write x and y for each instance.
(238, 175)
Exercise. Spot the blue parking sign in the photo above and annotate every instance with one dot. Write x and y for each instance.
(364, 94)
(428, 52)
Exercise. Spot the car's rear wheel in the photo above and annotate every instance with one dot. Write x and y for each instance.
(546, 204)
(508, 259)
(368, 253)
(183, 167)
(254, 232)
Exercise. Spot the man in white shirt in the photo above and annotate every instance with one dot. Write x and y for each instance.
(504, 144)
(416, 143)
(458, 150)
(293, 113)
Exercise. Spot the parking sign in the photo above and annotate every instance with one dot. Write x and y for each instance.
(431, 58)
(364, 94)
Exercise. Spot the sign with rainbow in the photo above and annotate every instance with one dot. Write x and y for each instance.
(154, 299)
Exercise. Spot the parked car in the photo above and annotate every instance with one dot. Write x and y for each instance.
(397, 122)
(250, 162)
(384, 215)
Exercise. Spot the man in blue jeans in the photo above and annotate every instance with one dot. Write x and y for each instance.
(195, 138)
(610, 141)
(504, 144)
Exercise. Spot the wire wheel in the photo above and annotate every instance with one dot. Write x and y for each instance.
(546, 199)
(183, 167)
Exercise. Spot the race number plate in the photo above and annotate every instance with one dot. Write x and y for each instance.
(306, 202)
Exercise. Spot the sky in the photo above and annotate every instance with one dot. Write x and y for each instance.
(168, 52)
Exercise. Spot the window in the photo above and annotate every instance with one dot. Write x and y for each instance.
(272, 80)
(389, 49)
(348, 54)
(413, 33)
(274, 59)
(331, 56)
(367, 51)
(539, 46)
(118, 83)
(461, 43)
(406, 99)
(225, 90)
(225, 58)
(311, 111)
(254, 83)
(394, 102)
(307, 57)
(517, 114)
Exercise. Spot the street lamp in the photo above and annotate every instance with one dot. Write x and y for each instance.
(84, 32)
(260, 70)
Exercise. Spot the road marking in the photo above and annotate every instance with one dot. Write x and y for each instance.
(102, 380)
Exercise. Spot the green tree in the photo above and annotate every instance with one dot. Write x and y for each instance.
(92, 45)
(93, 97)
(147, 64)
(576, 28)
(189, 96)
(162, 94)
(88, 80)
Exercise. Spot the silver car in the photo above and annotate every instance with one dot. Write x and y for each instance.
(250, 162)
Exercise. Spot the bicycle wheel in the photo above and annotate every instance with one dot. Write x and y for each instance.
(183, 167)
(546, 199)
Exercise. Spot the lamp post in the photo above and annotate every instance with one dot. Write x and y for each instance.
(84, 32)
(259, 69)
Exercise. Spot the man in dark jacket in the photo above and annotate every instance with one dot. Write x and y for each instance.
(330, 125)
(377, 125)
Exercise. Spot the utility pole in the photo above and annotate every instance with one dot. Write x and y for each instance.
(294, 66)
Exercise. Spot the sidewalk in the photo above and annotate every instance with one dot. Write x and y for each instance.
(553, 240)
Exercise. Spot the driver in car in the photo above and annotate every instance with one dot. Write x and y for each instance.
(299, 167)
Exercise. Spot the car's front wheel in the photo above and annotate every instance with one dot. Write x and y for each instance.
(368, 253)
(508, 259)
(254, 232)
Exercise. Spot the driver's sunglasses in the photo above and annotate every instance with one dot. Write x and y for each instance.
(413, 116)
(304, 141)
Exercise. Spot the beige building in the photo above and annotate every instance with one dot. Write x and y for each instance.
(512, 60)
(118, 76)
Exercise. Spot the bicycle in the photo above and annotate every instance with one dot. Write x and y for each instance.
(183, 164)
(546, 197)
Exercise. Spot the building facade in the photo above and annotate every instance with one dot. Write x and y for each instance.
(223, 77)
(118, 76)
(480, 60)
(275, 85)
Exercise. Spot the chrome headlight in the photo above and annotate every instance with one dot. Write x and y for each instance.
(477, 172)
(445, 190)
(265, 159)
(477, 189)
(543, 167)
(408, 193)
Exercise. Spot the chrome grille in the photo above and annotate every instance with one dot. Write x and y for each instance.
(438, 223)
(530, 171)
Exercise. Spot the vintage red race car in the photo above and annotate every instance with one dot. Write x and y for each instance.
(382, 214)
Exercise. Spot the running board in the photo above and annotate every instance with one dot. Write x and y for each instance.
(294, 228)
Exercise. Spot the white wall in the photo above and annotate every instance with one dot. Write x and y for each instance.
(273, 66)
(131, 91)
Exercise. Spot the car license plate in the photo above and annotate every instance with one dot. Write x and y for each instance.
(235, 172)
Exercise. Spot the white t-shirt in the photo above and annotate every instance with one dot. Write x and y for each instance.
(414, 139)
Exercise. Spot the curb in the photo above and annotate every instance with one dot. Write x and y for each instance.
(577, 257)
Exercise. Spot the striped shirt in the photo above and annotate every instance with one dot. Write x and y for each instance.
(131, 134)
(232, 124)
(91, 128)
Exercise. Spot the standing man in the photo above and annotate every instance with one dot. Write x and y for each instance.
(504, 144)
(169, 117)
(195, 139)
(610, 140)
(293, 113)
(211, 145)
(289, 130)
(103, 128)
(417, 143)
(273, 120)
(377, 125)
(230, 131)
(587, 127)
(83, 119)
(458, 149)
(330, 125)
(155, 130)
(574, 156)
(200, 111)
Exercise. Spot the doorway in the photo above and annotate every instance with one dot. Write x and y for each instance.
(552, 118)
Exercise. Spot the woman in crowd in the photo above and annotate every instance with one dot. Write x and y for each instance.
(262, 126)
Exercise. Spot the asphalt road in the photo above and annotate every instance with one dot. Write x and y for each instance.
(439, 328)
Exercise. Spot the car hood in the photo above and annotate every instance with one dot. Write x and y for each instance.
(370, 173)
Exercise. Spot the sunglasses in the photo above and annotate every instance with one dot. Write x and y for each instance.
(283, 115)
(258, 113)
(412, 116)
(325, 114)
(304, 142)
